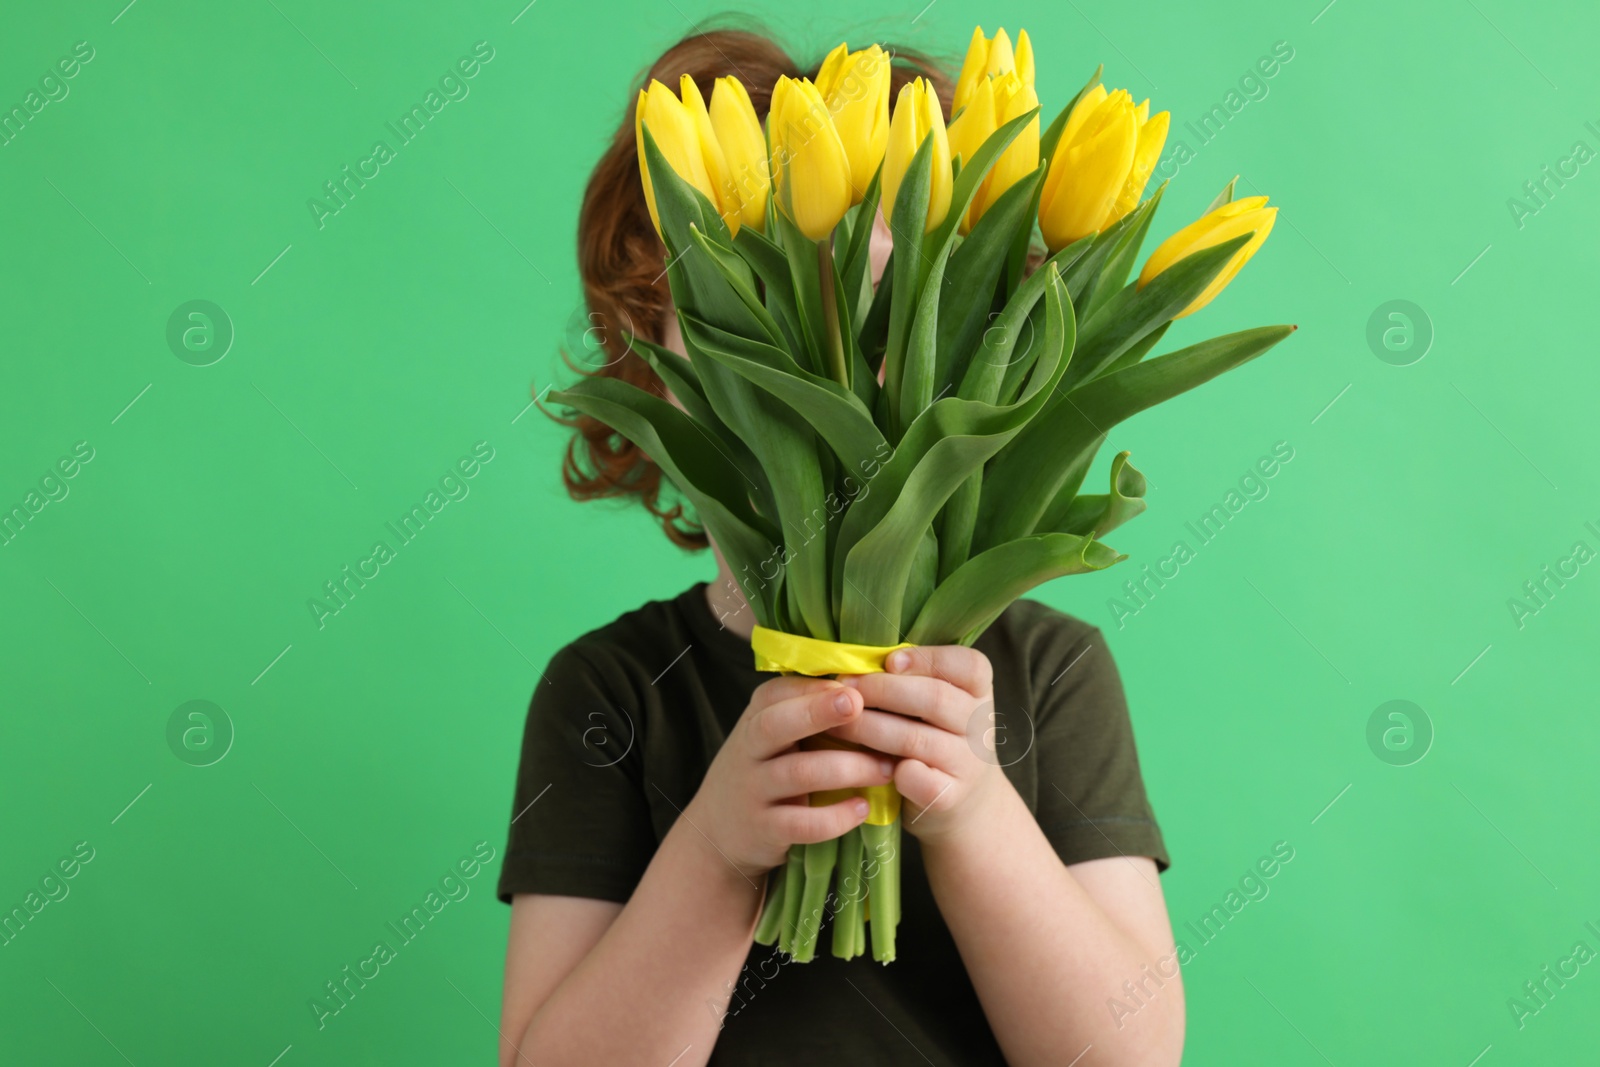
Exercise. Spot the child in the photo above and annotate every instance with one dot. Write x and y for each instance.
(660, 780)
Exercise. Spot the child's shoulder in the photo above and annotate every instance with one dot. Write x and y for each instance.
(634, 637)
(1032, 622)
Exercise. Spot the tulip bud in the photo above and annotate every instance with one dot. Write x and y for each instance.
(1223, 224)
(710, 151)
(810, 170)
(994, 102)
(1152, 137)
(855, 86)
(917, 115)
(993, 58)
(683, 134)
(1090, 167)
(744, 146)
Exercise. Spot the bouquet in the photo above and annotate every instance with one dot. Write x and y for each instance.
(894, 465)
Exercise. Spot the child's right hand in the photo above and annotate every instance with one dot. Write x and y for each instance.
(752, 804)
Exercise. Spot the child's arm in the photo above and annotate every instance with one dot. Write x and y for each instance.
(1046, 946)
(591, 982)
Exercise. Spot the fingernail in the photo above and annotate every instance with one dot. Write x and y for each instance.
(848, 679)
(860, 804)
(842, 703)
(886, 768)
(899, 661)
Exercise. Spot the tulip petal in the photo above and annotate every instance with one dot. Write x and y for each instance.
(973, 68)
(810, 169)
(716, 164)
(1092, 173)
(1152, 137)
(744, 146)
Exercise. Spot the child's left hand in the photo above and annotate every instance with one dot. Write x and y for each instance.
(935, 709)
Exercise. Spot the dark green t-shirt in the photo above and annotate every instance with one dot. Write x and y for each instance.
(628, 717)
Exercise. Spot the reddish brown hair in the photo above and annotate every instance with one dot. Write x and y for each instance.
(620, 258)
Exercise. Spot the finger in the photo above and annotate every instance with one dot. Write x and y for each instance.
(777, 726)
(964, 667)
(804, 825)
(897, 735)
(799, 773)
(930, 699)
(925, 787)
(787, 687)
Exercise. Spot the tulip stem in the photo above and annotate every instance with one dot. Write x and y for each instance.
(833, 338)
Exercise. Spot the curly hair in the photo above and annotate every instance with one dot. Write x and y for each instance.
(620, 259)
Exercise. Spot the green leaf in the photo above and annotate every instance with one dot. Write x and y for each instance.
(800, 255)
(906, 224)
(691, 459)
(974, 272)
(956, 521)
(947, 443)
(736, 272)
(872, 332)
(679, 376)
(855, 266)
(1024, 480)
(1123, 253)
(967, 602)
(832, 410)
(787, 449)
(696, 284)
(1133, 313)
(1224, 197)
(1099, 514)
(771, 265)
(1138, 351)
(924, 575)
(996, 370)
(916, 387)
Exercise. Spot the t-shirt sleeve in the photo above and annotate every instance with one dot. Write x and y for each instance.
(1091, 800)
(580, 823)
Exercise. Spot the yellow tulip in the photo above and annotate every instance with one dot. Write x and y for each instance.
(1225, 223)
(1090, 168)
(676, 135)
(1152, 137)
(993, 58)
(855, 86)
(994, 102)
(716, 163)
(744, 146)
(917, 116)
(810, 170)
(1101, 165)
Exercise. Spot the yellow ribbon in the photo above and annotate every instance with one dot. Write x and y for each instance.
(793, 654)
(778, 651)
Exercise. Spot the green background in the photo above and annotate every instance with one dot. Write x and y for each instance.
(370, 754)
